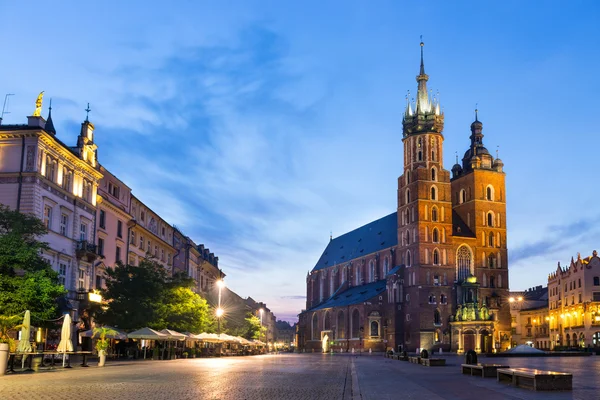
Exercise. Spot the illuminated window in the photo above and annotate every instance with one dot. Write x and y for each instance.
(62, 273)
(489, 193)
(463, 196)
(48, 217)
(434, 214)
(435, 236)
(83, 231)
(436, 257)
(490, 219)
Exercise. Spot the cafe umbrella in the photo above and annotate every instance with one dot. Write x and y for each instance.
(24, 344)
(65, 344)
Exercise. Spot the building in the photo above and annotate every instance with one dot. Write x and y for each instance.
(432, 275)
(41, 175)
(530, 318)
(574, 303)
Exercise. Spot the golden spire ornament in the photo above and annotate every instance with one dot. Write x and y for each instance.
(38, 105)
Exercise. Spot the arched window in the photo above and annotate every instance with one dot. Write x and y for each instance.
(435, 236)
(490, 219)
(436, 257)
(437, 318)
(327, 322)
(407, 196)
(433, 174)
(491, 261)
(408, 259)
(463, 196)
(463, 262)
(407, 237)
(315, 327)
(489, 193)
(355, 323)
(386, 266)
(371, 271)
(407, 177)
(491, 239)
(341, 326)
(434, 214)
(433, 193)
(374, 328)
(420, 149)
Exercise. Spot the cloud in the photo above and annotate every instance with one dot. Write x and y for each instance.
(294, 297)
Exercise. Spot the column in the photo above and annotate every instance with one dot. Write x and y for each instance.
(477, 342)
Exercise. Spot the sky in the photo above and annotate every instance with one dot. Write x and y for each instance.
(259, 127)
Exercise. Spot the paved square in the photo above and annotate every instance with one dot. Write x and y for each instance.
(294, 376)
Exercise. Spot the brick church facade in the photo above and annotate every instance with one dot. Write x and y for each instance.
(434, 274)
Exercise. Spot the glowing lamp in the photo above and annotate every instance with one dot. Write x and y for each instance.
(511, 300)
(220, 312)
(95, 297)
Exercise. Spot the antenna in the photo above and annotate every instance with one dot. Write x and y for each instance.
(6, 102)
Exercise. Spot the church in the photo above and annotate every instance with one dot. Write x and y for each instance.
(432, 275)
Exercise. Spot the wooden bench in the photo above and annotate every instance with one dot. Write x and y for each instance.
(483, 370)
(536, 379)
(433, 362)
(415, 360)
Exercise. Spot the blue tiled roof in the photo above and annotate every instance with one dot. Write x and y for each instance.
(375, 236)
(394, 270)
(354, 295)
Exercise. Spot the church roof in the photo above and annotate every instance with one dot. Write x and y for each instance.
(370, 238)
(459, 228)
(354, 295)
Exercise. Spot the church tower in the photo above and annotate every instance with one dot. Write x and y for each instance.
(479, 203)
(424, 220)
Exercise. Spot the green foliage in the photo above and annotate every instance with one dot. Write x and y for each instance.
(9, 324)
(249, 329)
(143, 295)
(103, 343)
(27, 281)
(20, 249)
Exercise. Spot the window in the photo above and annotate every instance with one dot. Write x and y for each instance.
(490, 219)
(407, 196)
(435, 236)
(433, 193)
(100, 247)
(142, 216)
(162, 254)
(169, 259)
(119, 229)
(48, 217)
(132, 238)
(355, 323)
(118, 254)
(436, 257)
(81, 279)
(596, 281)
(579, 297)
(463, 262)
(50, 169)
(407, 237)
(408, 258)
(102, 219)
(114, 190)
(149, 247)
(433, 175)
(62, 273)
(67, 179)
(489, 193)
(341, 326)
(437, 319)
(374, 328)
(579, 282)
(141, 242)
(431, 299)
(156, 251)
(434, 214)
(596, 296)
(98, 281)
(463, 196)
(386, 266)
(163, 231)
(443, 299)
(491, 239)
(64, 224)
(436, 280)
(491, 261)
(82, 231)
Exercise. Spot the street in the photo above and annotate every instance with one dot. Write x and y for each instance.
(293, 376)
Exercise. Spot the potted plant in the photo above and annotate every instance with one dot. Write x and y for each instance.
(185, 354)
(193, 352)
(7, 343)
(102, 344)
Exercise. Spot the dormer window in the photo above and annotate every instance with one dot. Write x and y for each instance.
(114, 190)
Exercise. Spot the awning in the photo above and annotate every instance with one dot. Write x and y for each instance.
(148, 334)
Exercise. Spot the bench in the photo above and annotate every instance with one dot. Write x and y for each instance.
(483, 370)
(415, 360)
(536, 379)
(433, 362)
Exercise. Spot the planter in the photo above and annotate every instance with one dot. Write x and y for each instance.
(3, 358)
(101, 358)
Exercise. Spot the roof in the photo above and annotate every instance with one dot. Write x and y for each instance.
(370, 238)
(459, 227)
(394, 270)
(354, 295)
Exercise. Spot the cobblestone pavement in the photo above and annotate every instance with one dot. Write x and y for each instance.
(282, 376)
(295, 376)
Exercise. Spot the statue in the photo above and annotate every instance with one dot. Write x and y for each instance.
(38, 105)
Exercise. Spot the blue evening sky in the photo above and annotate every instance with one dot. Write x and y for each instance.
(259, 126)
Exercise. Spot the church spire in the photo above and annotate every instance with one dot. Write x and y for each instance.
(423, 104)
(49, 124)
(422, 71)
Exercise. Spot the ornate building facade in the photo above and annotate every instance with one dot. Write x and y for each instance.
(433, 274)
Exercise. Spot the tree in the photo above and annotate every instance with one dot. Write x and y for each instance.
(185, 311)
(134, 295)
(27, 281)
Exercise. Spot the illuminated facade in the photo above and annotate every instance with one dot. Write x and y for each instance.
(432, 275)
(574, 303)
(197, 262)
(530, 320)
(41, 175)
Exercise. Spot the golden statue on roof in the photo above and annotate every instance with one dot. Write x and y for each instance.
(38, 105)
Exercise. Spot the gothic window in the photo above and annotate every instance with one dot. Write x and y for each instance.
(407, 237)
(489, 193)
(341, 326)
(463, 262)
(420, 147)
(463, 196)
(371, 271)
(491, 261)
(437, 319)
(408, 258)
(327, 322)
(407, 196)
(355, 323)
(433, 174)
(407, 177)
(435, 236)
(436, 257)
(374, 328)
(386, 266)
(315, 327)
(407, 216)
(433, 193)
(434, 214)
(491, 239)
(490, 219)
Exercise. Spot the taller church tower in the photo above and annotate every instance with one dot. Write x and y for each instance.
(424, 220)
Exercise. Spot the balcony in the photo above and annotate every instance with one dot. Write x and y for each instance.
(86, 251)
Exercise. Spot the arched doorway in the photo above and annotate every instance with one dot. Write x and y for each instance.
(485, 341)
(568, 337)
(468, 340)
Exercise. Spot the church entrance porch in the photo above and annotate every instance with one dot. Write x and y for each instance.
(468, 340)
(326, 341)
(485, 342)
